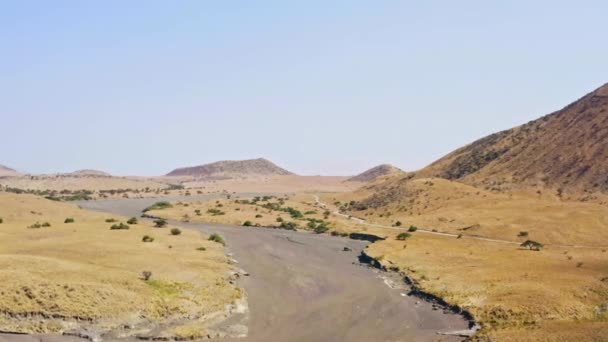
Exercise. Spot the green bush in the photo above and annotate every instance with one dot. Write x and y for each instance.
(110, 220)
(175, 231)
(69, 220)
(247, 223)
(147, 238)
(201, 249)
(398, 224)
(1, 220)
(532, 245)
(120, 226)
(523, 234)
(217, 238)
(197, 212)
(311, 224)
(158, 206)
(289, 225)
(320, 229)
(412, 229)
(403, 236)
(159, 223)
(132, 220)
(258, 216)
(35, 226)
(310, 212)
(279, 219)
(215, 212)
(46, 224)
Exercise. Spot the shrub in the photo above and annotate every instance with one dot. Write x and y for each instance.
(217, 238)
(523, 234)
(201, 249)
(310, 212)
(197, 212)
(258, 216)
(412, 229)
(215, 212)
(247, 223)
(311, 224)
(279, 219)
(120, 226)
(403, 236)
(398, 224)
(132, 220)
(158, 206)
(146, 275)
(320, 229)
(110, 220)
(532, 245)
(1, 220)
(459, 236)
(147, 238)
(46, 224)
(69, 220)
(289, 225)
(159, 223)
(175, 231)
(35, 226)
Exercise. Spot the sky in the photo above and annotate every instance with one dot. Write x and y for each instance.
(318, 87)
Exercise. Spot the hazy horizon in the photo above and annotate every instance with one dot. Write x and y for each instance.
(141, 88)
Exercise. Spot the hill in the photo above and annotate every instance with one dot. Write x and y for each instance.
(88, 173)
(8, 172)
(565, 150)
(376, 172)
(232, 169)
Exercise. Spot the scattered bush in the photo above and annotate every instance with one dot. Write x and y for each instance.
(201, 249)
(46, 224)
(289, 225)
(320, 229)
(110, 220)
(159, 223)
(311, 224)
(132, 220)
(258, 216)
(175, 231)
(158, 206)
(215, 212)
(412, 229)
(403, 236)
(579, 264)
(279, 219)
(147, 238)
(120, 226)
(69, 220)
(197, 212)
(310, 212)
(146, 275)
(1, 220)
(522, 234)
(459, 236)
(398, 224)
(217, 238)
(35, 226)
(248, 223)
(532, 245)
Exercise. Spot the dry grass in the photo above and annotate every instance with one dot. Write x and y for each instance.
(84, 270)
(74, 183)
(557, 294)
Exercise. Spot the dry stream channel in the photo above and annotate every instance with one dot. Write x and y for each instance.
(308, 287)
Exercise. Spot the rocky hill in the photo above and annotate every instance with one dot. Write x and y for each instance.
(8, 172)
(375, 172)
(566, 150)
(88, 173)
(232, 169)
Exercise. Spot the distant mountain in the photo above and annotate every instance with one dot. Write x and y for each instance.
(376, 172)
(89, 173)
(8, 172)
(567, 149)
(232, 169)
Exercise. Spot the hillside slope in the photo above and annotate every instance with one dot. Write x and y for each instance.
(375, 173)
(567, 149)
(8, 172)
(232, 169)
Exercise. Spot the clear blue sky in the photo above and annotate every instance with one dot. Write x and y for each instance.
(319, 87)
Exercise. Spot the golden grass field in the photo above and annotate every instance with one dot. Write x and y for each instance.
(60, 277)
(557, 294)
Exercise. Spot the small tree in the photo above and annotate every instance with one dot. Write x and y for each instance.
(412, 229)
(159, 223)
(532, 245)
(403, 236)
(132, 220)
